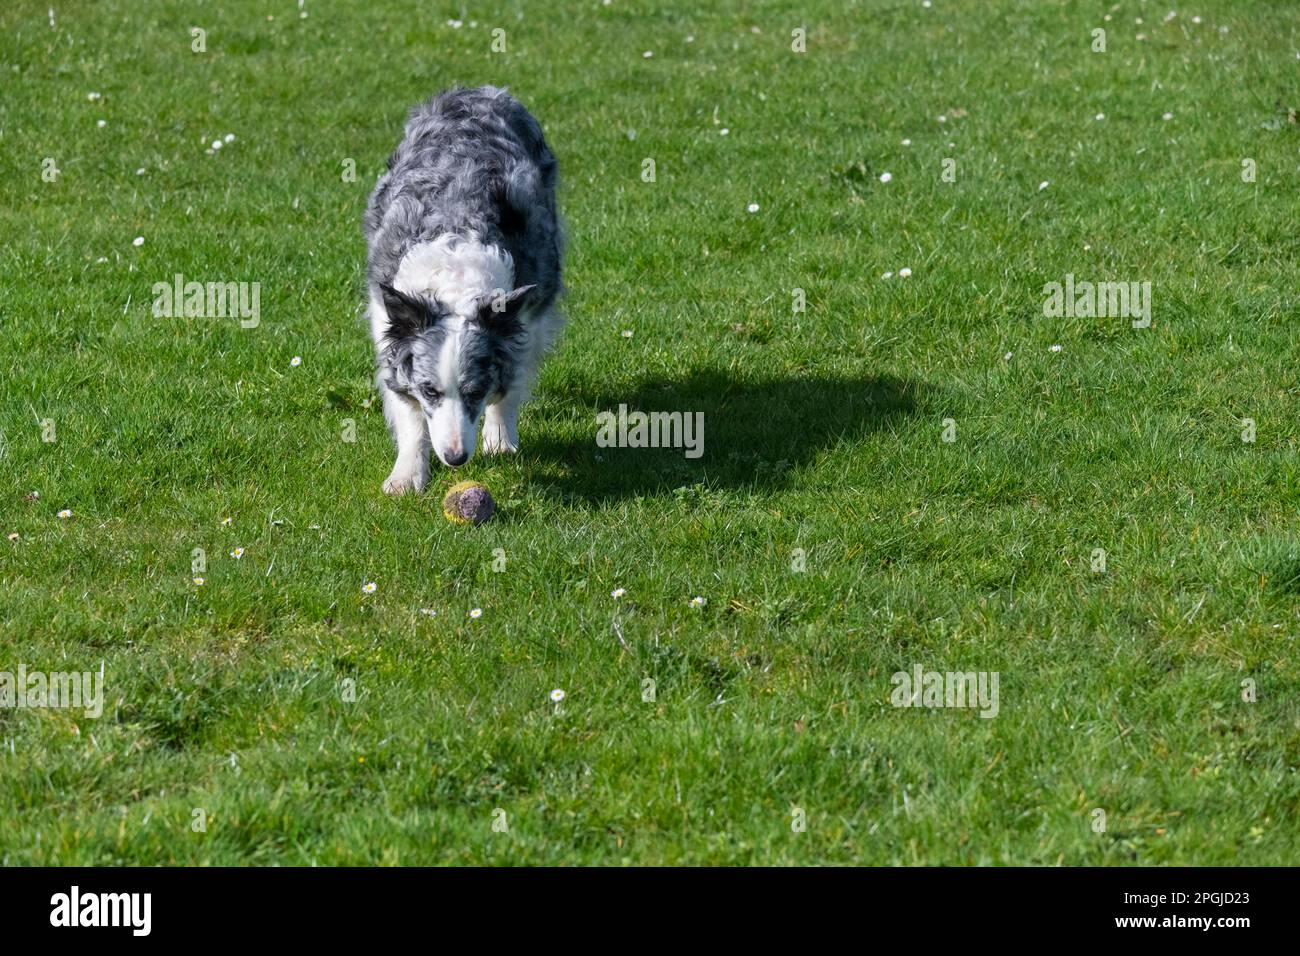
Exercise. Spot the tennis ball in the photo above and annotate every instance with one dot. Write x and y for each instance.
(468, 501)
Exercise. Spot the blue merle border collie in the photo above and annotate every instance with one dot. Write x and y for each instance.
(463, 271)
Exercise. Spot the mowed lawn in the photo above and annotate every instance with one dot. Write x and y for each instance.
(278, 713)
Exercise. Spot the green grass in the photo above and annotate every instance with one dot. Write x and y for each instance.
(1118, 690)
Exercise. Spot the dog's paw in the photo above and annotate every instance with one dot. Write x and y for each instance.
(497, 440)
(400, 482)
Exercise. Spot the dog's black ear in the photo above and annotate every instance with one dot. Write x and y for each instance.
(408, 315)
(500, 310)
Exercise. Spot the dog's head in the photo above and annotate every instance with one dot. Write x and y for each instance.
(452, 365)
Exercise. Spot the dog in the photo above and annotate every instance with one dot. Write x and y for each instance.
(463, 273)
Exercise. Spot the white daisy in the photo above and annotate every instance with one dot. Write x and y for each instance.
(295, 361)
(138, 241)
(65, 513)
(1043, 185)
(476, 613)
(1055, 348)
(237, 553)
(13, 536)
(617, 593)
(370, 587)
(698, 601)
(886, 177)
(198, 582)
(557, 695)
(905, 273)
(752, 207)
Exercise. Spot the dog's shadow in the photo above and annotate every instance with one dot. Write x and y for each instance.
(757, 431)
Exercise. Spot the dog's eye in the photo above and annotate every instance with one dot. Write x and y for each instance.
(431, 393)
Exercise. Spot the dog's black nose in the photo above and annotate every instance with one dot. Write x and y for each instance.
(454, 460)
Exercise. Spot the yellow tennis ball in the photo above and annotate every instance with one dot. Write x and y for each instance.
(468, 502)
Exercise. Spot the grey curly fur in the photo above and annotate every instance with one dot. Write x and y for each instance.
(472, 162)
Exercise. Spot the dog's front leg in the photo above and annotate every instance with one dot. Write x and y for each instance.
(501, 426)
(411, 470)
